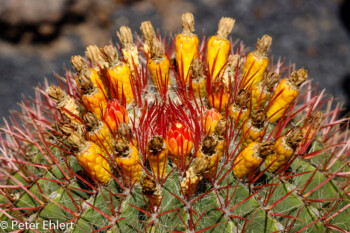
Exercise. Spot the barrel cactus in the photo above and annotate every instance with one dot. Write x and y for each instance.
(176, 135)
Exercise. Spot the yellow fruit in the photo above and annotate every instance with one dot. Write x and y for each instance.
(194, 174)
(152, 190)
(208, 150)
(157, 155)
(261, 91)
(159, 66)
(218, 47)
(254, 129)
(93, 98)
(129, 163)
(251, 157)
(124, 132)
(99, 133)
(231, 70)
(199, 87)
(90, 158)
(220, 135)
(284, 149)
(121, 81)
(311, 126)
(119, 75)
(238, 114)
(186, 46)
(129, 49)
(199, 80)
(219, 95)
(256, 62)
(286, 92)
(238, 111)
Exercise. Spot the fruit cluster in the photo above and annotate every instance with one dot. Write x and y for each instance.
(185, 135)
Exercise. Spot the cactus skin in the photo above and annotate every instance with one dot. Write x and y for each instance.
(45, 176)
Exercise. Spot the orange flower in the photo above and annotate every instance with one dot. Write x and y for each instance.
(210, 120)
(180, 142)
(115, 113)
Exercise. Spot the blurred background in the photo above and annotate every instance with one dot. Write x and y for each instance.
(38, 37)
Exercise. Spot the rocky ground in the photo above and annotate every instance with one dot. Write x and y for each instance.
(38, 39)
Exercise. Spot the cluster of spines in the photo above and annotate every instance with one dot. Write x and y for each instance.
(209, 140)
